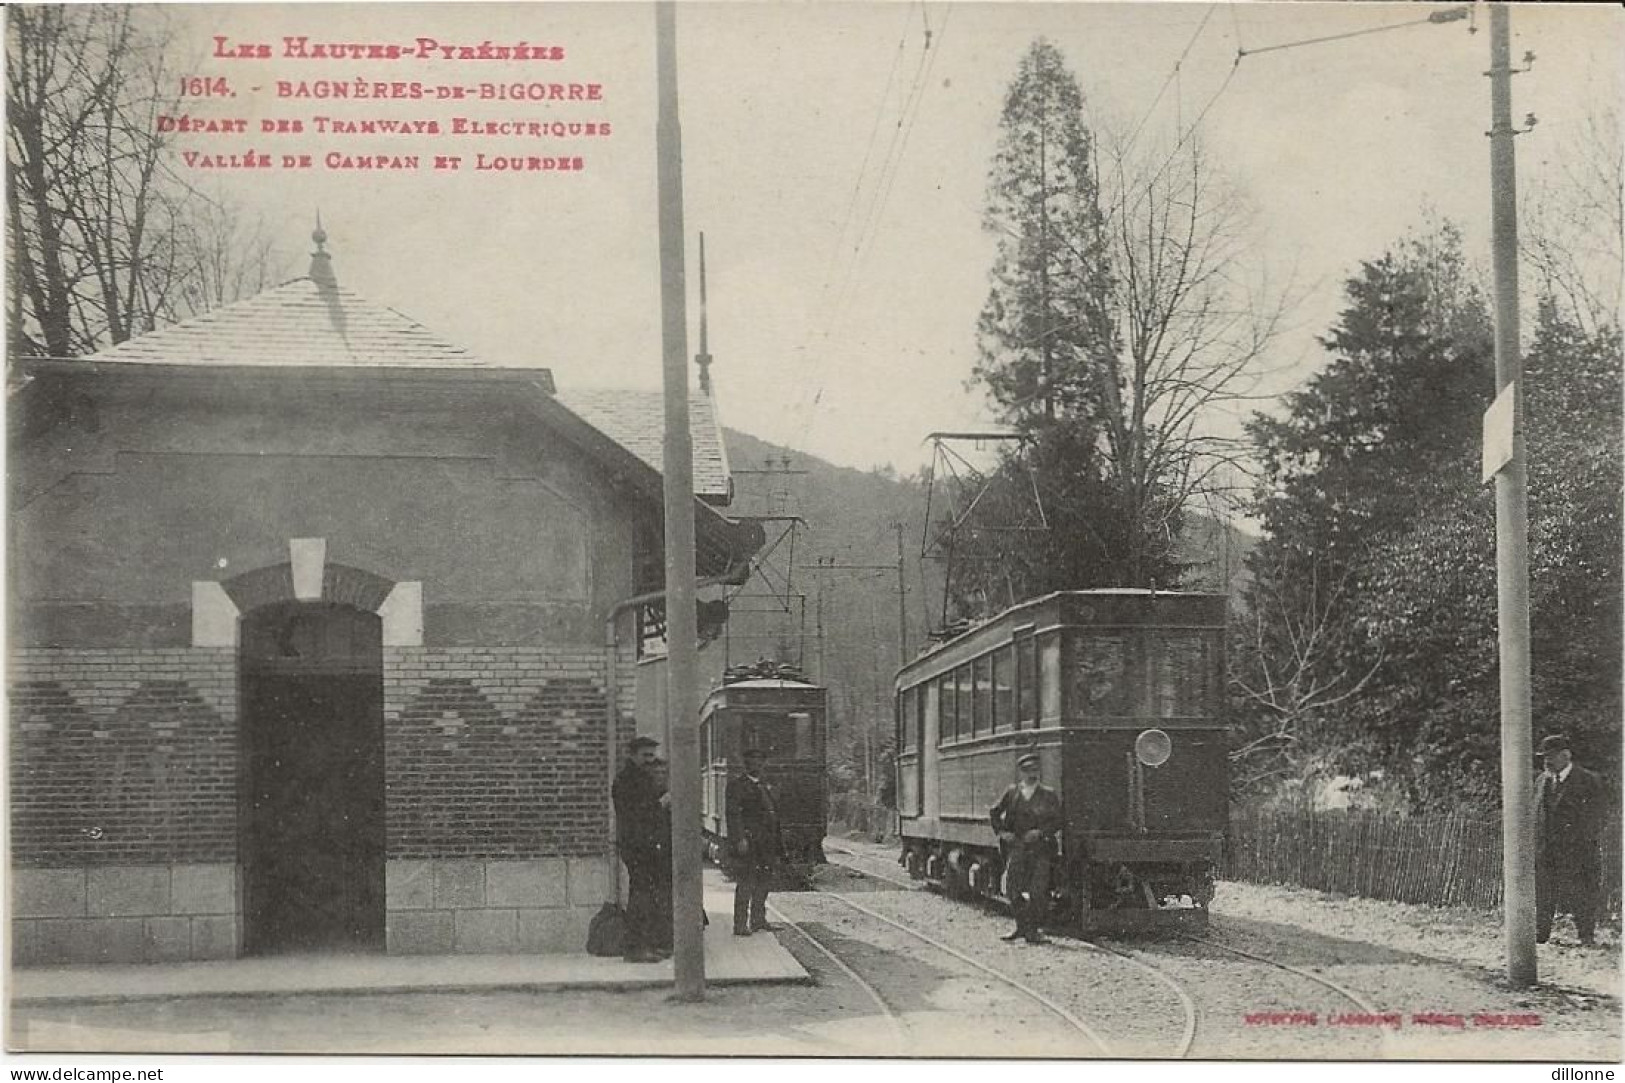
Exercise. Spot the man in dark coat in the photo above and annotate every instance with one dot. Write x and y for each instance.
(1027, 820)
(1569, 806)
(753, 835)
(640, 826)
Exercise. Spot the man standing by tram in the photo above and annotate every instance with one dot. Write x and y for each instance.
(753, 832)
(1027, 820)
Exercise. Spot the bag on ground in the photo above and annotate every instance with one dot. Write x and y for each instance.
(606, 935)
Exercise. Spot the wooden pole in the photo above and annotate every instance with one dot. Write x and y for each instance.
(682, 723)
(1511, 525)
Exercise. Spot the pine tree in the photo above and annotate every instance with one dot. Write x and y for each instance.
(1044, 322)
(1115, 323)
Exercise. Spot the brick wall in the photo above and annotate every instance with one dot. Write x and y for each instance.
(123, 757)
(495, 752)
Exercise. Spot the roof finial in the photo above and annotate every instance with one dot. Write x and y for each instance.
(703, 358)
(321, 263)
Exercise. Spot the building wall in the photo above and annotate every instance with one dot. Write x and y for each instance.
(124, 769)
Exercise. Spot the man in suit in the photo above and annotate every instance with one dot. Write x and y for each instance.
(1569, 806)
(753, 834)
(1028, 820)
(640, 824)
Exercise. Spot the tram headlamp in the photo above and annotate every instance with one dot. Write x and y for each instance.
(1153, 747)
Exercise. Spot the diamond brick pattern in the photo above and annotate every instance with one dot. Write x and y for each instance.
(468, 779)
(149, 779)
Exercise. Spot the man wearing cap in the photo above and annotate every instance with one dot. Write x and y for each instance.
(1027, 820)
(1569, 806)
(753, 832)
(638, 831)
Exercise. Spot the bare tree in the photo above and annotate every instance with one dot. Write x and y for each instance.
(1292, 650)
(1131, 424)
(108, 240)
(1194, 324)
(1574, 224)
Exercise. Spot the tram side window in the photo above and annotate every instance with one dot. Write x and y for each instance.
(982, 672)
(948, 721)
(1004, 692)
(966, 702)
(1027, 682)
(905, 719)
(916, 721)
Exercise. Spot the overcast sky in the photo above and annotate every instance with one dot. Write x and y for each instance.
(843, 299)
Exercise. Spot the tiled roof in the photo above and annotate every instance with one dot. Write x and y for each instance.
(297, 323)
(307, 322)
(637, 421)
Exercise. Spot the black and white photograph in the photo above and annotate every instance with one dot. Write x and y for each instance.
(876, 535)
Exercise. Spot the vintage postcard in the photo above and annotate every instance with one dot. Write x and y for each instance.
(1102, 435)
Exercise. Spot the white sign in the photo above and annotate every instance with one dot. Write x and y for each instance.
(1498, 431)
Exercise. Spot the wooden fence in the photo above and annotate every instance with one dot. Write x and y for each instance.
(1450, 860)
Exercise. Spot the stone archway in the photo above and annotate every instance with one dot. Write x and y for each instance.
(309, 637)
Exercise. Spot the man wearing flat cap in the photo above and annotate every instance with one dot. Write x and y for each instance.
(1569, 807)
(640, 823)
(1027, 820)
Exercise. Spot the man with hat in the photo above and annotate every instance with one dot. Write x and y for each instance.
(1027, 820)
(753, 834)
(639, 823)
(1569, 806)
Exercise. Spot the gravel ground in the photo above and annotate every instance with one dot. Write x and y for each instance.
(1401, 959)
(950, 1008)
(1436, 972)
(1137, 1011)
(1454, 934)
(780, 1020)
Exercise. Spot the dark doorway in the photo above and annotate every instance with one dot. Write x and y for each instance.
(312, 840)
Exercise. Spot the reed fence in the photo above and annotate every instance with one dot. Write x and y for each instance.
(1452, 860)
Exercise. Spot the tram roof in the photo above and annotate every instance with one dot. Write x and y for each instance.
(1060, 602)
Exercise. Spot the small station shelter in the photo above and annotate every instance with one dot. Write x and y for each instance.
(324, 636)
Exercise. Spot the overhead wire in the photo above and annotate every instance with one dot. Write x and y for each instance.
(891, 163)
(863, 167)
(911, 113)
(830, 303)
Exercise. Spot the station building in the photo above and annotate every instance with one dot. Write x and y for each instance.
(325, 636)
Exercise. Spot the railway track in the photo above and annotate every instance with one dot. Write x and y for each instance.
(893, 1017)
(886, 1004)
(1191, 1011)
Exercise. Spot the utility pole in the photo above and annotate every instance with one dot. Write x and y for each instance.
(902, 602)
(821, 678)
(1511, 524)
(682, 725)
(1043, 243)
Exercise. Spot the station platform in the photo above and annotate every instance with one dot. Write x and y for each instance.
(729, 960)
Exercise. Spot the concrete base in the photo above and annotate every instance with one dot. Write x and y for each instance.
(124, 914)
(729, 959)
